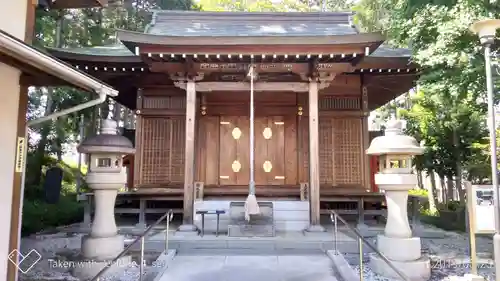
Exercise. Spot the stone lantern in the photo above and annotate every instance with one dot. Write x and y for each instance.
(395, 178)
(105, 177)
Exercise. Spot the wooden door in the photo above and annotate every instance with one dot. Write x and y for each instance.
(234, 151)
(270, 150)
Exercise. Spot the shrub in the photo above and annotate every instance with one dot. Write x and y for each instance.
(449, 216)
(40, 216)
(418, 192)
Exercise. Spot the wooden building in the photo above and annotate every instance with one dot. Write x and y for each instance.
(185, 77)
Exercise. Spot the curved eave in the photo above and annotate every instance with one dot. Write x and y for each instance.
(33, 62)
(371, 62)
(78, 4)
(384, 88)
(67, 55)
(136, 38)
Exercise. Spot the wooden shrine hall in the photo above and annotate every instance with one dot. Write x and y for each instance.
(185, 78)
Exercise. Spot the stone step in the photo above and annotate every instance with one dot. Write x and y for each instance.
(348, 247)
(251, 230)
(261, 225)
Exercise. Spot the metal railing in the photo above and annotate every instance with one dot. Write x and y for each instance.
(334, 216)
(168, 215)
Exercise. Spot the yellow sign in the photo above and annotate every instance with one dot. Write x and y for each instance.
(20, 154)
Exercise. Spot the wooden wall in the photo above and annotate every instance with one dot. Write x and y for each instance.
(160, 137)
(224, 150)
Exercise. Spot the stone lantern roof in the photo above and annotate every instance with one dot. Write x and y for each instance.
(394, 142)
(107, 142)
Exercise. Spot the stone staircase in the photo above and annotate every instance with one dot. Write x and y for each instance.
(261, 225)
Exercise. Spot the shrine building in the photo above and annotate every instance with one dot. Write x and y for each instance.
(184, 83)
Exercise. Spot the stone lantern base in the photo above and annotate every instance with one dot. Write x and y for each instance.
(97, 253)
(404, 254)
(88, 269)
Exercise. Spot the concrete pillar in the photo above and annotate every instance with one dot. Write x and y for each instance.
(105, 177)
(396, 178)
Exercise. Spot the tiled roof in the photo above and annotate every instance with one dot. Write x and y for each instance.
(120, 50)
(174, 23)
(386, 51)
(108, 50)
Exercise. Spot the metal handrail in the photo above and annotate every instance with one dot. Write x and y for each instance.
(168, 215)
(361, 240)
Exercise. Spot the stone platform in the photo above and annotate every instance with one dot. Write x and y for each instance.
(261, 225)
(249, 268)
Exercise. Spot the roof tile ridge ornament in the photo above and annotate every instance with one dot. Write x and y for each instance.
(152, 22)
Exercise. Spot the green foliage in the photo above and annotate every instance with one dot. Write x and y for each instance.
(449, 216)
(451, 205)
(61, 29)
(418, 192)
(40, 216)
(274, 6)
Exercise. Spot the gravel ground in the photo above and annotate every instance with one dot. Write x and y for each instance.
(449, 258)
(61, 247)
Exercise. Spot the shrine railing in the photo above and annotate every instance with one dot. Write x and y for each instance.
(168, 216)
(335, 217)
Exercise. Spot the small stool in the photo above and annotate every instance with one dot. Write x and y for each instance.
(218, 213)
(202, 213)
(205, 212)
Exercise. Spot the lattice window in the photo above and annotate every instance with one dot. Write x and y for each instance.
(326, 150)
(333, 102)
(347, 150)
(163, 150)
(164, 102)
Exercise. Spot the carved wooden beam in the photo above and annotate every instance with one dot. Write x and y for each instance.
(297, 87)
(174, 67)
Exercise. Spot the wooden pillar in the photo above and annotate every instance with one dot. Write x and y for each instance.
(138, 141)
(126, 115)
(189, 155)
(314, 158)
(365, 134)
(22, 138)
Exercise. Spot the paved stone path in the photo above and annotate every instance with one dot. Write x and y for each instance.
(250, 268)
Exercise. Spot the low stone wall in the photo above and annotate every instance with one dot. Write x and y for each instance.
(288, 215)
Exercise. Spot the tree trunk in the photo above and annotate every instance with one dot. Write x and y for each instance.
(57, 142)
(450, 188)
(42, 143)
(431, 192)
(443, 188)
(458, 178)
(420, 180)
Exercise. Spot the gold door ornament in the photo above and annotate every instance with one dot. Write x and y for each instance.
(267, 166)
(236, 133)
(267, 133)
(236, 166)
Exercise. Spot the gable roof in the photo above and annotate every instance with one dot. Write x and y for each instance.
(236, 24)
(33, 62)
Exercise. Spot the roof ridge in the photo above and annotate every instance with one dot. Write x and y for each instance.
(325, 17)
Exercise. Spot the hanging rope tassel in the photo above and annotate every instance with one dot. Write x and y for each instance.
(251, 204)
